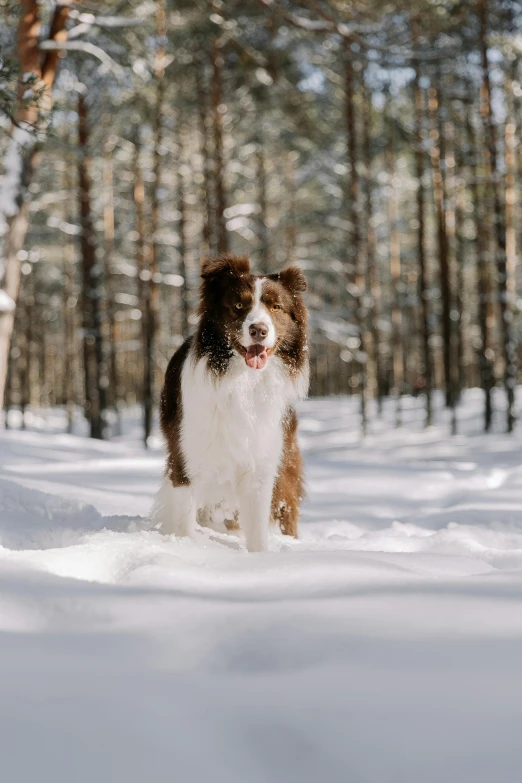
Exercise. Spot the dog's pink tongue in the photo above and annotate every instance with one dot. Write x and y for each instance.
(256, 356)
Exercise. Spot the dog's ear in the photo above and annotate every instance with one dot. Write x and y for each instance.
(236, 266)
(292, 278)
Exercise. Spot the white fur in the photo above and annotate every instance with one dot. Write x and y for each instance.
(173, 509)
(232, 440)
(258, 314)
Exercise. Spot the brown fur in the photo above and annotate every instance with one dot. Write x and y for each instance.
(171, 413)
(289, 487)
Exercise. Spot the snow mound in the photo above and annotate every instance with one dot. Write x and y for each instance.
(30, 519)
(384, 644)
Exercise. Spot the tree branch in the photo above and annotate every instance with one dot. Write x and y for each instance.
(105, 21)
(87, 48)
(310, 25)
(88, 21)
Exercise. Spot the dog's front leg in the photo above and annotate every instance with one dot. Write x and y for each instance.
(254, 513)
(174, 509)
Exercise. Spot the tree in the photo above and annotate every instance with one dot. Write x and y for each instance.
(36, 77)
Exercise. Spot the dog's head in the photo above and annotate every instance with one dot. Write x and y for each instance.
(260, 316)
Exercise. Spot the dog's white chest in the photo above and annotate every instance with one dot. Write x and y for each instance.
(231, 426)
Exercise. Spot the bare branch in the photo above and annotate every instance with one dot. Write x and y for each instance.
(298, 21)
(80, 29)
(105, 21)
(331, 25)
(87, 48)
(88, 21)
(334, 25)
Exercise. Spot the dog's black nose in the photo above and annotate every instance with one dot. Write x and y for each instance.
(258, 332)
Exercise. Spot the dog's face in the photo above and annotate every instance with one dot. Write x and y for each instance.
(260, 316)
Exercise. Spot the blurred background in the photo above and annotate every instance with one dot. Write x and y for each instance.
(375, 145)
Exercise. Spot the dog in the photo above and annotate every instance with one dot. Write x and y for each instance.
(226, 409)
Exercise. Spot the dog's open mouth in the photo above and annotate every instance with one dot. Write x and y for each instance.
(256, 356)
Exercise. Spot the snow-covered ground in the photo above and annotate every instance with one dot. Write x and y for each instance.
(384, 645)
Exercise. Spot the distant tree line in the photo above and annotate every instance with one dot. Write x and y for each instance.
(378, 147)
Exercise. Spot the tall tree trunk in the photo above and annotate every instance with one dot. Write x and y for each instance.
(217, 109)
(108, 247)
(446, 135)
(354, 265)
(505, 304)
(442, 238)
(423, 291)
(460, 259)
(69, 311)
(395, 274)
(263, 208)
(69, 391)
(142, 272)
(516, 114)
(483, 276)
(45, 395)
(510, 207)
(25, 324)
(291, 217)
(151, 316)
(95, 379)
(8, 397)
(511, 259)
(182, 231)
(372, 277)
(20, 158)
(209, 244)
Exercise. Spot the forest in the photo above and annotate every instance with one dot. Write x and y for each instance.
(377, 146)
(154, 624)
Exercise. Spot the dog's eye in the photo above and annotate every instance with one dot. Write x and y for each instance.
(238, 306)
(276, 307)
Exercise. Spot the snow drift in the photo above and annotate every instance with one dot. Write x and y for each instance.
(385, 644)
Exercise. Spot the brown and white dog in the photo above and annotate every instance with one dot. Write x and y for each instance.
(226, 407)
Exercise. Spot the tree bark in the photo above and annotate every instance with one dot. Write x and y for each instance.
(442, 237)
(141, 267)
(21, 159)
(372, 276)
(423, 291)
(95, 380)
(263, 216)
(69, 332)
(108, 247)
(483, 277)
(395, 274)
(460, 259)
(25, 327)
(51, 59)
(446, 134)
(505, 305)
(69, 314)
(182, 231)
(291, 217)
(217, 108)
(511, 259)
(208, 232)
(150, 319)
(354, 261)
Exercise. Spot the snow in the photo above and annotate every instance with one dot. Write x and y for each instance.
(7, 305)
(384, 645)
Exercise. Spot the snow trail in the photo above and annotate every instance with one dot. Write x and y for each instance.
(385, 644)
